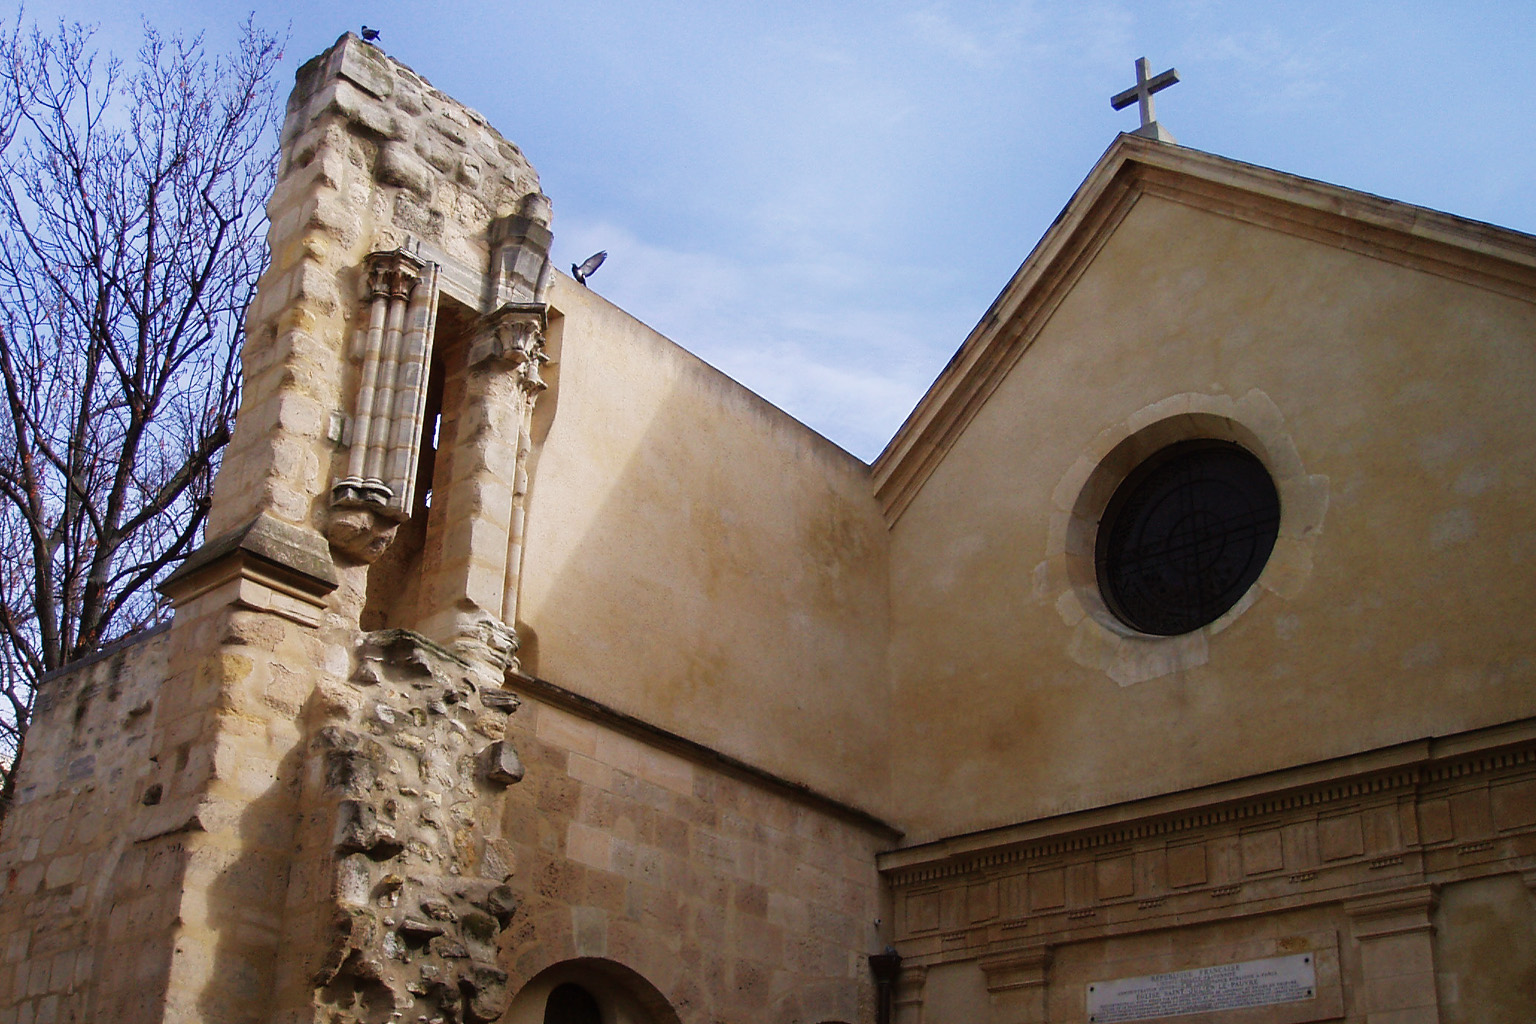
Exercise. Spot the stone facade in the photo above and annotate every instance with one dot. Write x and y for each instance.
(530, 659)
(737, 895)
(1351, 867)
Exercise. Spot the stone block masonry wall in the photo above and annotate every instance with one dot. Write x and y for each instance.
(182, 899)
(373, 158)
(76, 887)
(269, 816)
(737, 898)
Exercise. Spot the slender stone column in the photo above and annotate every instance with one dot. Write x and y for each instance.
(392, 276)
(407, 412)
(377, 492)
(475, 585)
(532, 385)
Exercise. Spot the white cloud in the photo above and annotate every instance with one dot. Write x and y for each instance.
(1025, 37)
(1272, 68)
(936, 28)
(818, 340)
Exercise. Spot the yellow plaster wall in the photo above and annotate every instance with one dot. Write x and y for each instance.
(1408, 391)
(701, 560)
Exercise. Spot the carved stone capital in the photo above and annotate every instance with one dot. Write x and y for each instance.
(356, 491)
(514, 334)
(360, 532)
(393, 273)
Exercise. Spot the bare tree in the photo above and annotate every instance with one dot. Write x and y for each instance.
(131, 229)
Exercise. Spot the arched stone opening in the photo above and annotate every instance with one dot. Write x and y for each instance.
(590, 990)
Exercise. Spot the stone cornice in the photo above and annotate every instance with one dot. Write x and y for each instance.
(709, 757)
(1400, 767)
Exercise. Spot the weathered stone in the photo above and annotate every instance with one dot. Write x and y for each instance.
(360, 533)
(448, 949)
(399, 834)
(502, 765)
(399, 165)
(487, 992)
(363, 65)
(267, 538)
(420, 927)
(438, 910)
(358, 828)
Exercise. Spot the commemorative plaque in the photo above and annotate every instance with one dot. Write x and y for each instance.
(1279, 979)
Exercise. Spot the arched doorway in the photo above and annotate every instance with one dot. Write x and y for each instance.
(571, 1003)
(589, 990)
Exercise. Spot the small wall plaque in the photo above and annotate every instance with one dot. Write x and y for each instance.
(1280, 979)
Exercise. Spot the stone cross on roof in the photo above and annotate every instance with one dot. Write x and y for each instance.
(1141, 94)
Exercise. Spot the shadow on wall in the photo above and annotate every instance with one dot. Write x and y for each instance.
(698, 558)
(246, 902)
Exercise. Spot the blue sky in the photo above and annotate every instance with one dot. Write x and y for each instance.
(822, 199)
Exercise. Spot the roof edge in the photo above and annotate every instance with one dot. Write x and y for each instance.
(1501, 259)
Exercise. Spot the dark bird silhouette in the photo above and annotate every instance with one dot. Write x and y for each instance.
(370, 35)
(588, 267)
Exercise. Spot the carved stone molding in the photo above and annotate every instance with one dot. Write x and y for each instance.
(520, 253)
(514, 334)
(265, 565)
(396, 353)
(1016, 984)
(511, 341)
(1099, 640)
(1023, 968)
(1394, 931)
(1399, 912)
(1372, 838)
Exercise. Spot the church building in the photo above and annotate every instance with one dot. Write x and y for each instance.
(1170, 664)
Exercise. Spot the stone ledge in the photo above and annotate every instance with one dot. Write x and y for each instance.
(277, 567)
(1398, 766)
(657, 737)
(105, 651)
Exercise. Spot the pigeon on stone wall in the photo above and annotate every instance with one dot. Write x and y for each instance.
(588, 267)
(370, 35)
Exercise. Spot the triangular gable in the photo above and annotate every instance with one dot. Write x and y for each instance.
(1490, 257)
